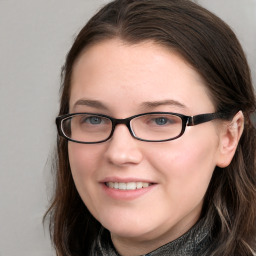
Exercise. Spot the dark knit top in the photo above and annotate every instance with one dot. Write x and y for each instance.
(194, 242)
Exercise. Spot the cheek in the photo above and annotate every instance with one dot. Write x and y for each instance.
(186, 166)
(84, 160)
(84, 163)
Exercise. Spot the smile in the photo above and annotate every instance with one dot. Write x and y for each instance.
(128, 185)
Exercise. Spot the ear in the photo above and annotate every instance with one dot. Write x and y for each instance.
(229, 137)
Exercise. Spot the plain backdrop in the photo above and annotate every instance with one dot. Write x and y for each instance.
(35, 36)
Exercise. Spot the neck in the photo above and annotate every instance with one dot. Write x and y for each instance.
(150, 242)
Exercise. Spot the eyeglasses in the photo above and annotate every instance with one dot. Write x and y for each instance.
(90, 128)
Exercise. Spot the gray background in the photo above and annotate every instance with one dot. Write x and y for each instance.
(35, 36)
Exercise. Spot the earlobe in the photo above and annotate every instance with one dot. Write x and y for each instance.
(229, 139)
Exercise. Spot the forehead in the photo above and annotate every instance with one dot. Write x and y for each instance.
(118, 73)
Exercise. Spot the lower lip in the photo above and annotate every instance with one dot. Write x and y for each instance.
(120, 194)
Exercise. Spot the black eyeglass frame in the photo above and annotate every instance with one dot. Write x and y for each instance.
(186, 121)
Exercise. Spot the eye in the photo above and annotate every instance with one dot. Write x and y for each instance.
(93, 120)
(89, 119)
(165, 120)
(158, 120)
(161, 120)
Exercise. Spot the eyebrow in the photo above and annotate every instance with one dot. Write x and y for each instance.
(153, 104)
(90, 103)
(148, 104)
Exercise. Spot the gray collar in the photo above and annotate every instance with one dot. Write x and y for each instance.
(193, 243)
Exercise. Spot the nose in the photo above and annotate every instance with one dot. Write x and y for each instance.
(123, 149)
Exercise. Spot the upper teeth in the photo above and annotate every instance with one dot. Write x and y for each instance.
(128, 185)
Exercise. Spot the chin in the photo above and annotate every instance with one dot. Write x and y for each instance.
(126, 228)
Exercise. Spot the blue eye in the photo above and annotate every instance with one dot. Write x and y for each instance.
(94, 120)
(161, 120)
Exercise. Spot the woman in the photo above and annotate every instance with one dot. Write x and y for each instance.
(156, 150)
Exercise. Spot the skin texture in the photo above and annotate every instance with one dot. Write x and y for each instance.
(121, 78)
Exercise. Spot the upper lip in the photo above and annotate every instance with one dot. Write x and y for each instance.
(125, 180)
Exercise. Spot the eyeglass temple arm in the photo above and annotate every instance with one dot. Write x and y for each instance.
(199, 119)
(57, 122)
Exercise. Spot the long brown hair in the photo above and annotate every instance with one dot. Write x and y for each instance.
(210, 46)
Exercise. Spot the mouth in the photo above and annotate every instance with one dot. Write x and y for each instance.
(128, 185)
(126, 189)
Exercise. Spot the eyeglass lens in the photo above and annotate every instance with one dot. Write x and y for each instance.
(93, 128)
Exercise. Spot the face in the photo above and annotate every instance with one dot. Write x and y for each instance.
(121, 80)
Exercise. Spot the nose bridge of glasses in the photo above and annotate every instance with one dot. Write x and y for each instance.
(125, 121)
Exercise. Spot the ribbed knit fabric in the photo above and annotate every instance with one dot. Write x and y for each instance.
(193, 243)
